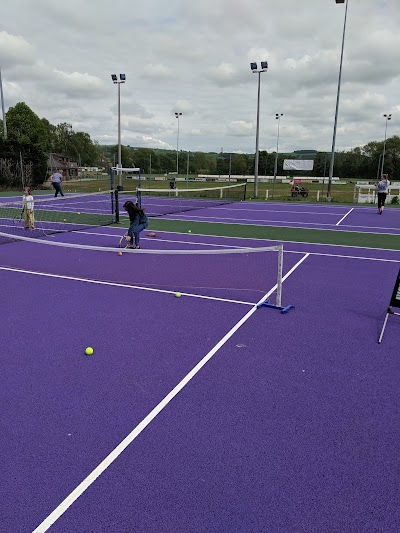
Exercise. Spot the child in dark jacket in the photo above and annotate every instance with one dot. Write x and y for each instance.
(139, 221)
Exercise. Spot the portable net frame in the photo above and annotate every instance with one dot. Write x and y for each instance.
(160, 202)
(73, 212)
(241, 275)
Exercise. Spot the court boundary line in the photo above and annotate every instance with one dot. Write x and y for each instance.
(346, 215)
(291, 227)
(124, 285)
(256, 239)
(283, 240)
(116, 452)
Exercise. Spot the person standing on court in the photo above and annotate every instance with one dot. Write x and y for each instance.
(27, 210)
(56, 180)
(382, 189)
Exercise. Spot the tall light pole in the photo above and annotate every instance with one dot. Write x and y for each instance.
(177, 115)
(264, 68)
(387, 117)
(2, 107)
(122, 79)
(278, 118)
(328, 194)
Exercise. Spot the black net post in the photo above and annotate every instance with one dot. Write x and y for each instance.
(139, 198)
(116, 205)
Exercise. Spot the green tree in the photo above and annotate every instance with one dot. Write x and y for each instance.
(239, 164)
(25, 127)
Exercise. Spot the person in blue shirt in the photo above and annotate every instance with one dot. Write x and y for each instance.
(139, 221)
(56, 180)
(382, 189)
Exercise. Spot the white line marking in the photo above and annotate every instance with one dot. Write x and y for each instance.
(297, 227)
(227, 237)
(342, 256)
(111, 457)
(125, 285)
(347, 214)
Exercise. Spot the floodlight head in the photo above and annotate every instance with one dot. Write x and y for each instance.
(177, 114)
(264, 65)
(114, 78)
(122, 77)
(253, 66)
(340, 1)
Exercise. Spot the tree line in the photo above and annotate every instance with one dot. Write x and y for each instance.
(31, 139)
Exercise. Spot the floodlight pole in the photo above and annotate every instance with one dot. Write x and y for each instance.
(387, 117)
(2, 107)
(177, 115)
(278, 118)
(331, 164)
(264, 67)
(122, 79)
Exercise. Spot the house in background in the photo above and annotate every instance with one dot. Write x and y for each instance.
(62, 162)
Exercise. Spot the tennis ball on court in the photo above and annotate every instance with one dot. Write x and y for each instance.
(65, 220)
(178, 294)
(89, 350)
(119, 253)
(189, 231)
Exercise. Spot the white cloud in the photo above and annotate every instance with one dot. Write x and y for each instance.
(194, 58)
(15, 50)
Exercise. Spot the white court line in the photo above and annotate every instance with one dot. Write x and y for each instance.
(216, 220)
(263, 210)
(91, 478)
(343, 256)
(347, 214)
(125, 285)
(234, 237)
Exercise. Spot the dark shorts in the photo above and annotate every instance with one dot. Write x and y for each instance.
(381, 199)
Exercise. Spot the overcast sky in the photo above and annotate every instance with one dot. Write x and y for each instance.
(194, 58)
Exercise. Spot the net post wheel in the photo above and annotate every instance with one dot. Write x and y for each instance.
(89, 350)
(178, 294)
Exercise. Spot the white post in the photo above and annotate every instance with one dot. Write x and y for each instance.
(280, 275)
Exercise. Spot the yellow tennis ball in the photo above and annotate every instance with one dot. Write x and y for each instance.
(178, 294)
(65, 220)
(89, 350)
(189, 231)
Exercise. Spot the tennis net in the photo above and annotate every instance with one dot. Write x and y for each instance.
(233, 273)
(56, 215)
(159, 202)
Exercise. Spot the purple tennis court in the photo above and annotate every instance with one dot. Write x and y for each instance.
(201, 413)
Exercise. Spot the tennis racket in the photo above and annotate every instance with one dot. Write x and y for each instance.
(123, 242)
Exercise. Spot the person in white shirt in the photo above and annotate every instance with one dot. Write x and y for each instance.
(382, 189)
(28, 205)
